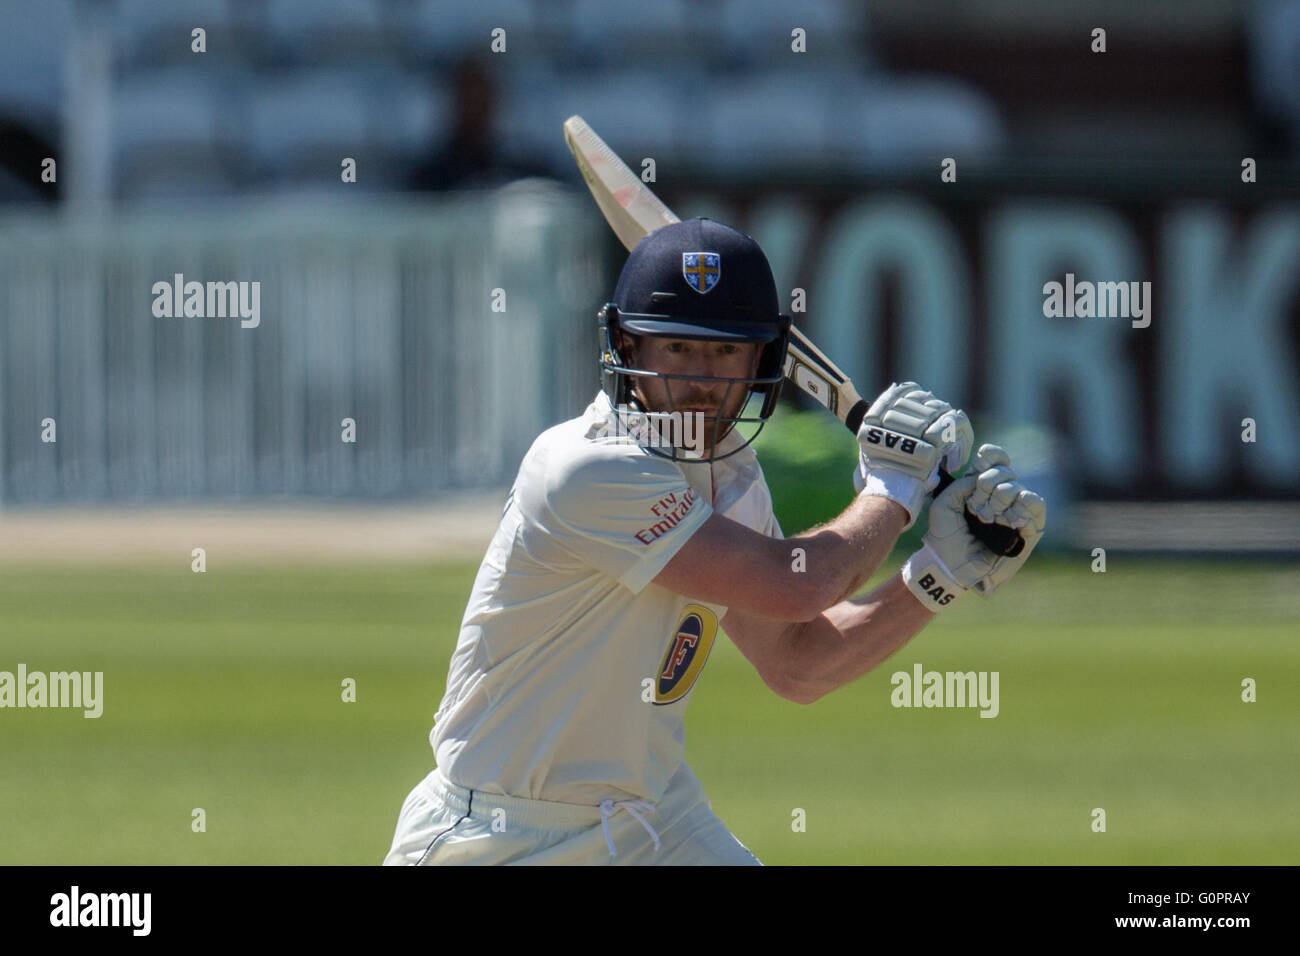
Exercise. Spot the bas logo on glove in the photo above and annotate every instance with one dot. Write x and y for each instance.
(929, 579)
(935, 590)
(875, 436)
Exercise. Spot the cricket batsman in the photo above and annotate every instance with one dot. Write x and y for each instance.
(637, 531)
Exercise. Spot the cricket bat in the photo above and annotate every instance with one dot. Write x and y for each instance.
(633, 211)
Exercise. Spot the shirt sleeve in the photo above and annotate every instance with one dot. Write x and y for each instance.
(624, 512)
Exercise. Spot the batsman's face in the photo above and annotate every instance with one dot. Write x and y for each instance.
(692, 358)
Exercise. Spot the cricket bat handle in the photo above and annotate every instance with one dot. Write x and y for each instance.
(998, 538)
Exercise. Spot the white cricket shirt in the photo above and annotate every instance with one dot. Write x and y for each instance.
(572, 672)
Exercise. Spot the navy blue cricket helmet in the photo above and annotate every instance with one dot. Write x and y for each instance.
(701, 280)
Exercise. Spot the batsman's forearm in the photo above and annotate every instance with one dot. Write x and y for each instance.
(850, 639)
(846, 552)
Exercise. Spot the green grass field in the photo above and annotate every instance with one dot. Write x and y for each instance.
(222, 691)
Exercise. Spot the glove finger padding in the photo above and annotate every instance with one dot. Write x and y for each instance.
(1024, 509)
(996, 484)
(905, 435)
(895, 391)
(990, 456)
(995, 490)
(901, 406)
(1031, 512)
(953, 433)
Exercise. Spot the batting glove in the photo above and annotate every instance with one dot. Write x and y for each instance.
(905, 436)
(951, 559)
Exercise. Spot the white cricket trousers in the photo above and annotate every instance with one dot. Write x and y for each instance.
(442, 824)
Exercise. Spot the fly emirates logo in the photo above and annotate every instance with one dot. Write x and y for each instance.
(670, 510)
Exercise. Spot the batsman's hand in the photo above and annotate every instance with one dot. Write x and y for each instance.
(905, 436)
(952, 560)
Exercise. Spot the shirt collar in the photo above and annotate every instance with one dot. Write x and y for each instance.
(605, 409)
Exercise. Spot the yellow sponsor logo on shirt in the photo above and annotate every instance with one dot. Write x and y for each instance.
(687, 652)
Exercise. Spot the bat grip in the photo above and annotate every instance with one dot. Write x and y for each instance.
(998, 538)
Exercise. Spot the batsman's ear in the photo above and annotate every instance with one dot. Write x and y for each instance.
(771, 365)
(772, 352)
(627, 346)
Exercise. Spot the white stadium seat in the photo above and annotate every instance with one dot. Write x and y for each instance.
(610, 32)
(438, 32)
(769, 119)
(328, 32)
(530, 97)
(307, 122)
(408, 111)
(888, 122)
(641, 111)
(34, 38)
(634, 109)
(175, 130)
(758, 31)
(149, 31)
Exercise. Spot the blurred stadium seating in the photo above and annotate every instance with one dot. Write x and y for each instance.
(705, 85)
(292, 80)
